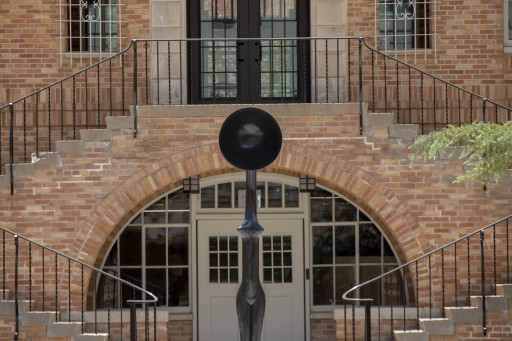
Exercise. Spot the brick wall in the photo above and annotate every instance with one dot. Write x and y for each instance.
(79, 204)
(30, 46)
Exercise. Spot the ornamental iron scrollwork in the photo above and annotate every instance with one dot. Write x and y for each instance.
(405, 14)
(91, 11)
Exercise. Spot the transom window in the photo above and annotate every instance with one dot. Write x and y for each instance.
(348, 249)
(232, 195)
(92, 25)
(405, 24)
(153, 252)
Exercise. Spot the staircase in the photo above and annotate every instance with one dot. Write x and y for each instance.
(463, 323)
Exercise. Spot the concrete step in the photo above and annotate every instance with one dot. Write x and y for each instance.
(504, 290)
(437, 326)
(402, 131)
(119, 122)
(70, 147)
(64, 329)
(411, 335)
(37, 318)
(464, 314)
(95, 135)
(491, 302)
(91, 337)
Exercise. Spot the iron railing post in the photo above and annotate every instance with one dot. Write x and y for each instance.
(135, 88)
(16, 311)
(482, 269)
(484, 110)
(133, 322)
(11, 148)
(360, 39)
(368, 320)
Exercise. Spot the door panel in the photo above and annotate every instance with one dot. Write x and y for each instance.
(226, 68)
(281, 275)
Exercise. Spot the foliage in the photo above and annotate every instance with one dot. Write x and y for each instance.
(486, 149)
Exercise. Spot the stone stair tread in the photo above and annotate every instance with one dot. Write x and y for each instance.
(91, 337)
(437, 326)
(64, 329)
(411, 335)
(464, 314)
(504, 289)
(38, 318)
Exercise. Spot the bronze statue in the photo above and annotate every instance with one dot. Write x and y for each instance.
(250, 139)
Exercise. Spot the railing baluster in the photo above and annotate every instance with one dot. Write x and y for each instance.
(442, 283)
(61, 111)
(326, 71)
(98, 99)
(56, 291)
(494, 255)
(158, 72)
(410, 97)
(482, 269)
(86, 100)
(111, 93)
(455, 285)
(83, 299)
(422, 111)
(435, 104)
(147, 73)
(30, 276)
(484, 110)
(446, 103)
(397, 94)
(3, 264)
(360, 85)
(417, 296)
(430, 284)
(349, 64)
(135, 86)
(169, 70)
(49, 120)
(95, 307)
(385, 85)
(69, 289)
(42, 273)
(469, 275)
(11, 148)
(16, 288)
(74, 107)
(373, 82)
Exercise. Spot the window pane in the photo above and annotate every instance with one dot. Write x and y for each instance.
(155, 246)
(274, 195)
(224, 195)
(178, 245)
(133, 276)
(323, 286)
(208, 197)
(372, 290)
(322, 245)
(345, 280)
(344, 211)
(345, 241)
(178, 287)
(369, 244)
(178, 201)
(321, 210)
(509, 20)
(159, 205)
(112, 256)
(130, 243)
(291, 196)
(179, 217)
(156, 284)
(154, 217)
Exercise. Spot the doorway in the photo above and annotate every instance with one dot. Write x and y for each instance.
(248, 51)
(281, 274)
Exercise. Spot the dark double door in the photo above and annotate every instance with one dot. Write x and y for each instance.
(248, 51)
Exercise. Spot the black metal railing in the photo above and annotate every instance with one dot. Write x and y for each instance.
(447, 277)
(47, 280)
(162, 72)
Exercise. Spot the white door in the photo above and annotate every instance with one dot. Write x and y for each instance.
(281, 274)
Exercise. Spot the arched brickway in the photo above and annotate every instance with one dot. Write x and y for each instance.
(160, 177)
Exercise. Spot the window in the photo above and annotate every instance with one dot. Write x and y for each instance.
(405, 24)
(348, 249)
(508, 23)
(152, 252)
(232, 195)
(92, 25)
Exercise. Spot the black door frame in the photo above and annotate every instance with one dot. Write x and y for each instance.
(248, 92)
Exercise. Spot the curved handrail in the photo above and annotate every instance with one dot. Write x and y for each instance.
(132, 302)
(345, 295)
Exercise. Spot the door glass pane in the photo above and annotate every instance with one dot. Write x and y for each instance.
(278, 57)
(218, 57)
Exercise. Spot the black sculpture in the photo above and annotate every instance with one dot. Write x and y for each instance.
(250, 139)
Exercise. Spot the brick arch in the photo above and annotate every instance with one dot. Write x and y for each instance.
(378, 201)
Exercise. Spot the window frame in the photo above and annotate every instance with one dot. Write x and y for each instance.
(507, 25)
(82, 35)
(417, 28)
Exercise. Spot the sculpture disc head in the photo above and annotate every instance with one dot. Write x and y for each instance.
(250, 139)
